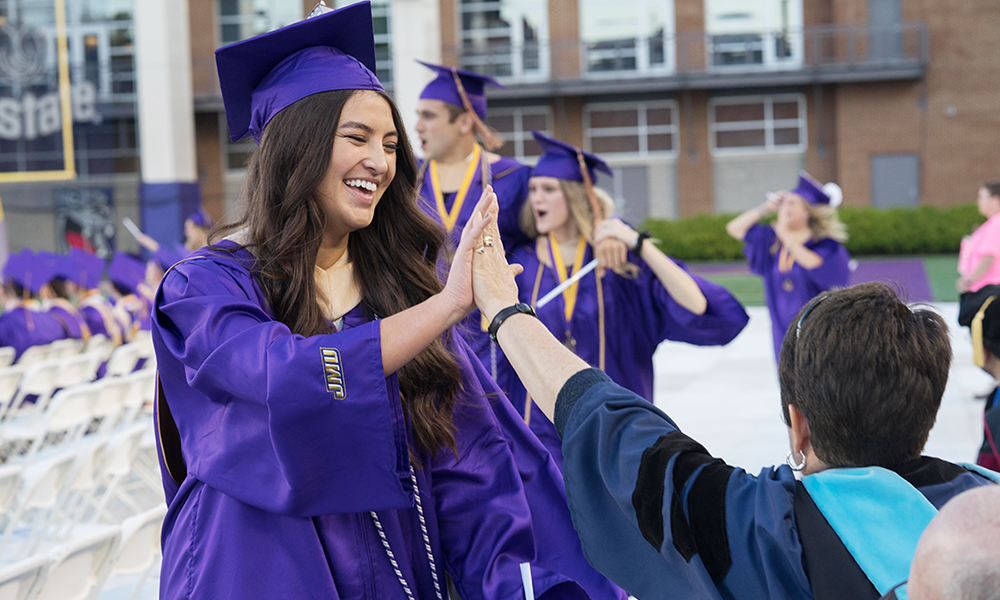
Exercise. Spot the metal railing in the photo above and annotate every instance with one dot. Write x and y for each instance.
(821, 47)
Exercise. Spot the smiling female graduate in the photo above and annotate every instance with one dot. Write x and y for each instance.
(323, 432)
(613, 320)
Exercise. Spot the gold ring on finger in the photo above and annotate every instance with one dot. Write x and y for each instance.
(488, 240)
(480, 249)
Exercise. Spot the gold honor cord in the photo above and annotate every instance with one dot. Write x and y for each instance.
(569, 294)
(448, 219)
(978, 357)
(785, 260)
(534, 301)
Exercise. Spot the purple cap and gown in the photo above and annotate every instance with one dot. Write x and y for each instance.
(508, 177)
(97, 311)
(789, 287)
(25, 324)
(62, 310)
(638, 312)
(128, 273)
(278, 451)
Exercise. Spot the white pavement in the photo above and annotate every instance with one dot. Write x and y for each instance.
(727, 398)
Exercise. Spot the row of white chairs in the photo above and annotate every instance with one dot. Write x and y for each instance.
(100, 406)
(42, 378)
(78, 570)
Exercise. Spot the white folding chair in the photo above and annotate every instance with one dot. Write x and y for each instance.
(11, 477)
(63, 423)
(80, 567)
(76, 369)
(41, 492)
(22, 580)
(65, 348)
(33, 354)
(138, 550)
(109, 406)
(142, 392)
(10, 379)
(7, 354)
(115, 464)
(123, 359)
(39, 380)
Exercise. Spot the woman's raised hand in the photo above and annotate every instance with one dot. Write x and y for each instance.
(458, 288)
(492, 278)
(612, 240)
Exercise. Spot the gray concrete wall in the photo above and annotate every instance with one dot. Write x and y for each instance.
(743, 181)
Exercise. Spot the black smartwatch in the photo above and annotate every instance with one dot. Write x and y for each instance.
(643, 236)
(501, 316)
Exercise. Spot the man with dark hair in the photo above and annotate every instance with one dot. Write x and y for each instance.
(662, 518)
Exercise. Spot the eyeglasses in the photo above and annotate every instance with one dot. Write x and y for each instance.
(809, 309)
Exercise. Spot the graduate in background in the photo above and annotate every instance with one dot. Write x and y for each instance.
(98, 312)
(801, 255)
(23, 323)
(133, 296)
(324, 431)
(196, 228)
(613, 320)
(59, 295)
(985, 327)
(456, 167)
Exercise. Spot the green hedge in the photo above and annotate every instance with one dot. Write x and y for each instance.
(872, 231)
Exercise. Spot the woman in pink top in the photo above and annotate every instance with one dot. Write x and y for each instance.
(978, 262)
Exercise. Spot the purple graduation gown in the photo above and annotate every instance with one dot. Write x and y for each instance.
(639, 314)
(23, 327)
(69, 317)
(510, 182)
(99, 315)
(787, 293)
(284, 443)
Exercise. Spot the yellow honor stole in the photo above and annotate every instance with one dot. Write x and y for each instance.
(569, 294)
(449, 218)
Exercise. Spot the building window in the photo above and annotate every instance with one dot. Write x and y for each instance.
(516, 124)
(627, 37)
(382, 23)
(505, 38)
(757, 123)
(633, 128)
(234, 154)
(242, 19)
(765, 34)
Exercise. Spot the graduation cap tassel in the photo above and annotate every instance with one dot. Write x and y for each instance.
(595, 205)
(490, 137)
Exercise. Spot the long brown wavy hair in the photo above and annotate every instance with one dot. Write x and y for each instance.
(394, 257)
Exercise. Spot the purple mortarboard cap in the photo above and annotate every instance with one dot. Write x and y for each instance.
(126, 271)
(443, 87)
(265, 74)
(559, 160)
(199, 219)
(61, 266)
(816, 193)
(29, 270)
(89, 267)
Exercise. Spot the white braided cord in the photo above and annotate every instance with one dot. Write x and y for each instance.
(427, 544)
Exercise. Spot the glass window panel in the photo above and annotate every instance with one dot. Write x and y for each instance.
(229, 7)
(786, 137)
(659, 116)
(726, 113)
(615, 144)
(231, 33)
(614, 118)
(381, 25)
(534, 121)
(740, 139)
(786, 110)
(507, 149)
(660, 142)
(531, 147)
(503, 123)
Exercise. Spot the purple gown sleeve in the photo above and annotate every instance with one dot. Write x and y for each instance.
(757, 248)
(665, 319)
(835, 270)
(504, 503)
(301, 426)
